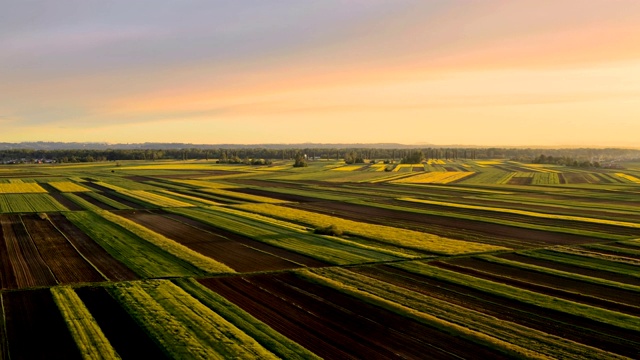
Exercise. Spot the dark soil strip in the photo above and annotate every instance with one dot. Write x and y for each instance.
(335, 325)
(280, 252)
(35, 327)
(4, 343)
(95, 201)
(28, 266)
(234, 254)
(277, 195)
(589, 293)
(67, 264)
(559, 223)
(7, 277)
(583, 330)
(631, 280)
(125, 335)
(55, 193)
(625, 246)
(118, 197)
(99, 257)
(613, 252)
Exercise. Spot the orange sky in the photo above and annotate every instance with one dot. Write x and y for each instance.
(432, 72)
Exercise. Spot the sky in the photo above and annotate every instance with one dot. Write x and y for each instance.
(441, 72)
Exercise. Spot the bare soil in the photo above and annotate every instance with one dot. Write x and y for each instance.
(335, 325)
(583, 330)
(608, 297)
(35, 327)
(27, 266)
(99, 257)
(626, 279)
(237, 255)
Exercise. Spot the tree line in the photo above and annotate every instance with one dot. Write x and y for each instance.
(350, 155)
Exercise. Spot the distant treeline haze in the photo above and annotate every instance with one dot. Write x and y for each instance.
(258, 156)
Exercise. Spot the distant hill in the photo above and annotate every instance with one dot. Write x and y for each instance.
(44, 145)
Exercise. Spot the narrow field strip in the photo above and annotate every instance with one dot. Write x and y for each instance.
(526, 213)
(91, 341)
(319, 247)
(272, 340)
(435, 177)
(182, 325)
(400, 237)
(617, 319)
(141, 256)
(204, 263)
(20, 188)
(68, 186)
(396, 298)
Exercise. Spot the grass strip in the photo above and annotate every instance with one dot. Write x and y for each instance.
(204, 263)
(91, 341)
(272, 340)
(144, 258)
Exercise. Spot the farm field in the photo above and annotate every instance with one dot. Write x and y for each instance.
(447, 259)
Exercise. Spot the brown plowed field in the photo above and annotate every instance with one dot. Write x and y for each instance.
(95, 201)
(614, 252)
(626, 279)
(583, 330)
(279, 252)
(27, 266)
(125, 335)
(277, 195)
(238, 256)
(335, 325)
(35, 327)
(63, 259)
(580, 291)
(443, 225)
(99, 257)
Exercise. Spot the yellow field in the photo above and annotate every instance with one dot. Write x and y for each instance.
(68, 186)
(435, 177)
(21, 188)
(403, 167)
(629, 177)
(348, 168)
(436, 162)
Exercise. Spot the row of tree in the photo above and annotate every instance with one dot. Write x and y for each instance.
(350, 155)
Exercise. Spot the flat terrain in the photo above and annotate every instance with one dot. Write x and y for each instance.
(445, 259)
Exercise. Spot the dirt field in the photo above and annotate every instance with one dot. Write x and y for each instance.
(27, 266)
(575, 328)
(99, 257)
(334, 325)
(35, 328)
(238, 256)
(67, 265)
(626, 279)
(570, 289)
